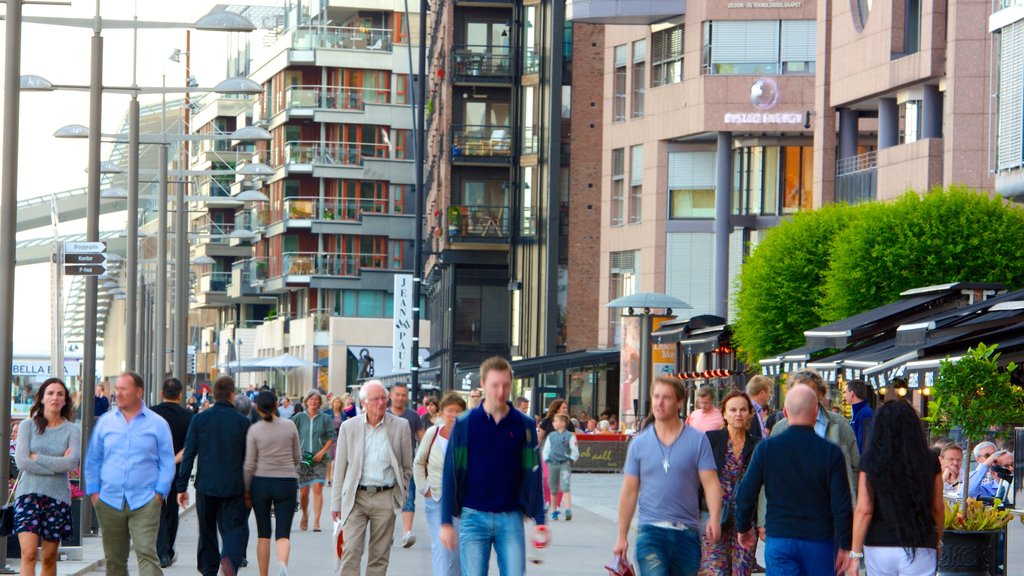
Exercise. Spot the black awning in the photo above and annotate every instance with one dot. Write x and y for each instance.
(706, 340)
(528, 367)
(912, 306)
(680, 330)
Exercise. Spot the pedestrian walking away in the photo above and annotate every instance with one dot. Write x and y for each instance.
(217, 438)
(372, 470)
(809, 519)
(129, 467)
(399, 407)
(178, 418)
(427, 468)
(492, 480)
(666, 466)
(900, 516)
(316, 433)
(732, 448)
(47, 449)
(270, 473)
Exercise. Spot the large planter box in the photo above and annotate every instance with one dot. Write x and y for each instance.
(969, 553)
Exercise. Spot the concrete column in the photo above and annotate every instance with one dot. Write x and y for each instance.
(931, 116)
(723, 212)
(848, 119)
(888, 123)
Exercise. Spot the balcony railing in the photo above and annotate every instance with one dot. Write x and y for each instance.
(345, 209)
(214, 282)
(473, 222)
(321, 319)
(529, 143)
(252, 271)
(481, 141)
(857, 178)
(211, 233)
(250, 219)
(330, 153)
(531, 61)
(337, 264)
(342, 38)
(332, 97)
(470, 61)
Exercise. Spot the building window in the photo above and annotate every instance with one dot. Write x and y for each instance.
(639, 78)
(1010, 119)
(636, 181)
(618, 185)
(797, 178)
(667, 56)
(624, 279)
(749, 47)
(772, 180)
(619, 85)
(402, 93)
(691, 184)
(910, 121)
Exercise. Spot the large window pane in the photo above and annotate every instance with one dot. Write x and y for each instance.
(693, 203)
(619, 85)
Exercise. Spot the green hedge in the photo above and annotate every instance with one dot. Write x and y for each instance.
(841, 260)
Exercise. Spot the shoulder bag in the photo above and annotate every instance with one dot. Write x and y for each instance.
(7, 511)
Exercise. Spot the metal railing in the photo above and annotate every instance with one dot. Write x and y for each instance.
(211, 232)
(477, 61)
(330, 153)
(253, 270)
(342, 38)
(858, 163)
(250, 219)
(857, 178)
(478, 222)
(214, 282)
(309, 208)
(337, 264)
(481, 141)
(332, 97)
(531, 61)
(529, 143)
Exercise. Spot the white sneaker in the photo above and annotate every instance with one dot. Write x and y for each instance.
(408, 540)
(282, 570)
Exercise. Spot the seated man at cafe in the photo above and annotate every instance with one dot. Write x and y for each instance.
(591, 427)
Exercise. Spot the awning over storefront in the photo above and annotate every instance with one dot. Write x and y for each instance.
(682, 330)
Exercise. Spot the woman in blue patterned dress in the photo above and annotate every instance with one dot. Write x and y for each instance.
(48, 445)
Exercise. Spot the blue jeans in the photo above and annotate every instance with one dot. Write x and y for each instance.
(478, 531)
(667, 552)
(444, 561)
(410, 498)
(794, 557)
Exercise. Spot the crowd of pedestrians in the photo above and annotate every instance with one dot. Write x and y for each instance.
(824, 495)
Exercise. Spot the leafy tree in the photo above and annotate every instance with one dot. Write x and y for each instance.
(782, 282)
(943, 236)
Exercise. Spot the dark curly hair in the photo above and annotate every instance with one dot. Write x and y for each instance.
(901, 469)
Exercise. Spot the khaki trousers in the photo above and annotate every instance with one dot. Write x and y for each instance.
(120, 529)
(376, 512)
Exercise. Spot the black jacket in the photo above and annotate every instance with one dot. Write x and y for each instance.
(217, 436)
(719, 440)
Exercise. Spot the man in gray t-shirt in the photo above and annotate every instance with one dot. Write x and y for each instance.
(400, 407)
(666, 465)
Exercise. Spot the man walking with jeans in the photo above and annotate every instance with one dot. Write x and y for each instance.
(491, 479)
(666, 465)
(809, 516)
(217, 437)
(178, 418)
(128, 472)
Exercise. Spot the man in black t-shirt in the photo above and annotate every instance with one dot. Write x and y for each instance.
(178, 418)
(399, 407)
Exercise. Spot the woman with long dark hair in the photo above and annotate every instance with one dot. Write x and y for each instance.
(48, 444)
(272, 456)
(897, 526)
(732, 446)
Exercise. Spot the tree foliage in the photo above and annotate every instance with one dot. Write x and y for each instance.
(782, 282)
(953, 235)
(841, 260)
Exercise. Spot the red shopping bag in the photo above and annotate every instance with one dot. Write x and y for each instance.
(620, 567)
(339, 539)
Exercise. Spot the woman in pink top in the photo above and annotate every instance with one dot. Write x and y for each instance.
(706, 417)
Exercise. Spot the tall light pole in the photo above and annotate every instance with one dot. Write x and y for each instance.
(181, 242)
(417, 244)
(8, 233)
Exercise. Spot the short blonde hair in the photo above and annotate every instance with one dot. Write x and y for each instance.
(758, 384)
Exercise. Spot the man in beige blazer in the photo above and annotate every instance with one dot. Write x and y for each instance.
(372, 469)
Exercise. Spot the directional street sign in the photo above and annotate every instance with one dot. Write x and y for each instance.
(84, 269)
(85, 258)
(84, 247)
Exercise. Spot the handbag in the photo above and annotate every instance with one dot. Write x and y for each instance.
(620, 567)
(7, 511)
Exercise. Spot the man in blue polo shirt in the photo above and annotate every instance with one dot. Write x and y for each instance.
(491, 479)
(666, 465)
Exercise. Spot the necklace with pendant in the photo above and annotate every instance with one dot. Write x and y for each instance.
(664, 455)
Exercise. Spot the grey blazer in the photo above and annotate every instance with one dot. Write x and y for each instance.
(348, 463)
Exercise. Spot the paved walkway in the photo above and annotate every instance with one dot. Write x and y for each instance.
(579, 548)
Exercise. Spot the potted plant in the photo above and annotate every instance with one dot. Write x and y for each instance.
(975, 395)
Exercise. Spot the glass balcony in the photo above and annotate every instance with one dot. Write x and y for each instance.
(342, 38)
(211, 233)
(332, 97)
(249, 272)
(330, 153)
(481, 142)
(468, 223)
(214, 282)
(471, 62)
(336, 264)
(531, 61)
(529, 143)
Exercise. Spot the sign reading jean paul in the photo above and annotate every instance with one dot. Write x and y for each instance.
(401, 347)
(764, 95)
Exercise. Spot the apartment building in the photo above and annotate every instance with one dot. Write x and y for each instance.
(721, 120)
(310, 269)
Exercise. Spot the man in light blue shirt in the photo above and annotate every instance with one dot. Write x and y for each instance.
(985, 485)
(129, 467)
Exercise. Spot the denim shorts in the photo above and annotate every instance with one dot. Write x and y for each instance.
(410, 498)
